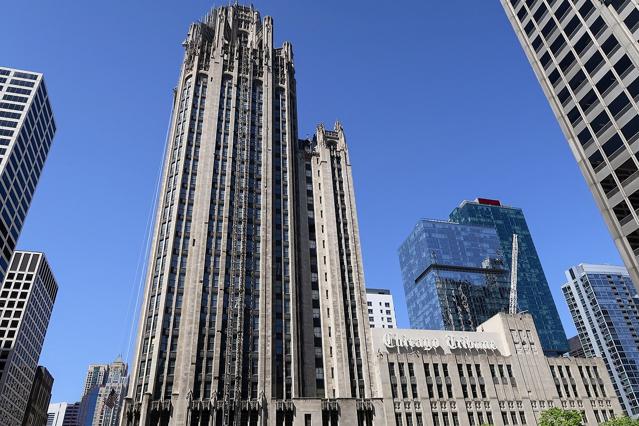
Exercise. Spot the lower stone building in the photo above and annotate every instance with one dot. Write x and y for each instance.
(497, 375)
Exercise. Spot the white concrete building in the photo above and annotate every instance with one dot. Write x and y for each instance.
(586, 57)
(381, 309)
(26, 301)
(56, 413)
(27, 128)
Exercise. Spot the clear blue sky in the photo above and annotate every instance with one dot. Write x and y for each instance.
(437, 99)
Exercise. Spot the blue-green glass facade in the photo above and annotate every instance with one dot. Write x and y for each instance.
(533, 292)
(454, 275)
(605, 308)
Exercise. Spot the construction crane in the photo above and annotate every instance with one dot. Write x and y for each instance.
(440, 284)
(513, 276)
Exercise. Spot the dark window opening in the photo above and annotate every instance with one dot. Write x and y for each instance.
(626, 170)
(622, 211)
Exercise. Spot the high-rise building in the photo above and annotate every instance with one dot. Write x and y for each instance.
(64, 414)
(605, 308)
(454, 275)
(73, 415)
(26, 300)
(585, 55)
(87, 406)
(26, 131)
(381, 308)
(254, 305)
(111, 395)
(55, 414)
(533, 292)
(36, 413)
(96, 376)
(575, 349)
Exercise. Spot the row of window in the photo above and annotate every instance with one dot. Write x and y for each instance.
(616, 107)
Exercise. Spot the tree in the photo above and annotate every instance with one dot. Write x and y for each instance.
(558, 417)
(621, 421)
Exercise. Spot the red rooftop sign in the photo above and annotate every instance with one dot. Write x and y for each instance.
(489, 202)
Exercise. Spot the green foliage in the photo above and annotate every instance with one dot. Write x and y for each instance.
(622, 421)
(559, 417)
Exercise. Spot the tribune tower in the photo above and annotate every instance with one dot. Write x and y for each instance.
(254, 300)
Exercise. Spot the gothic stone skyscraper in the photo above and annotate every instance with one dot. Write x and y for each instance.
(585, 55)
(254, 300)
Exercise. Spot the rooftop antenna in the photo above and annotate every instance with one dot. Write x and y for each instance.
(513, 276)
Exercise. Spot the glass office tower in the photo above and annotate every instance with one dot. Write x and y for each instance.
(533, 292)
(26, 131)
(454, 275)
(605, 308)
(585, 55)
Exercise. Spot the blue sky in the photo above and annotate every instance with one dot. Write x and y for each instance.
(437, 99)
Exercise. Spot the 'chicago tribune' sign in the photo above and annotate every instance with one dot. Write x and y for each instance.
(400, 341)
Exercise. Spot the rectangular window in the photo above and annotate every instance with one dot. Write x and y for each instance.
(598, 26)
(576, 82)
(630, 130)
(608, 184)
(632, 21)
(610, 46)
(582, 44)
(584, 136)
(564, 96)
(606, 82)
(594, 63)
(619, 105)
(623, 66)
(588, 101)
(562, 10)
(572, 26)
(601, 122)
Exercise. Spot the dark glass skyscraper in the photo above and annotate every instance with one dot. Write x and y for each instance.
(533, 292)
(454, 275)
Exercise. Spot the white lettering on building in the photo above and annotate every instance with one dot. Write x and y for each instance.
(399, 341)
